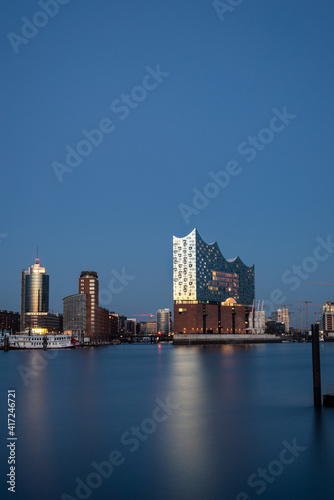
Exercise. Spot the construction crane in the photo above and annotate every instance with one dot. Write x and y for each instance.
(307, 302)
(300, 309)
(311, 283)
(148, 314)
(290, 319)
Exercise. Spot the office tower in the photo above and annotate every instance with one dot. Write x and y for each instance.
(35, 315)
(211, 294)
(163, 321)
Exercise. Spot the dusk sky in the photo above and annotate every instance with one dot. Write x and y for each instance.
(178, 90)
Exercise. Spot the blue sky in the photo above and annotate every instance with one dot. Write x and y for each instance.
(119, 208)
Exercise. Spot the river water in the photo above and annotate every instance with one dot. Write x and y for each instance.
(157, 422)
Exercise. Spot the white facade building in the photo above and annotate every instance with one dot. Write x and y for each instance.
(282, 316)
(201, 273)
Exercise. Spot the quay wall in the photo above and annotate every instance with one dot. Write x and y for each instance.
(200, 339)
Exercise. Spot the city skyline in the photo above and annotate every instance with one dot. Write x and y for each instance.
(269, 304)
(174, 118)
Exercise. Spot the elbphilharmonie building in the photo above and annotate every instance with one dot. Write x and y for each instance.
(211, 294)
(201, 273)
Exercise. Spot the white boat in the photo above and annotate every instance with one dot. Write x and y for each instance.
(26, 341)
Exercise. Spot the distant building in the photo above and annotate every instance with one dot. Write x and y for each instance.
(35, 314)
(122, 325)
(327, 317)
(281, 316)
(9, 322)
(151, 327)
(164, 321)
(131, 326)
(275, 327)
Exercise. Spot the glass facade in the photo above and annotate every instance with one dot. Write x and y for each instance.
(201, 273)
(163, 321)
(75, 314)
(37, 293)
(34, 293)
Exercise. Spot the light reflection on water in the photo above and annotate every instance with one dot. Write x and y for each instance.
(237, 404)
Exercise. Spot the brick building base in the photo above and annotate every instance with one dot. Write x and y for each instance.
(210, 318)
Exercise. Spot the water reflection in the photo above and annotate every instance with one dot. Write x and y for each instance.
(237, 404)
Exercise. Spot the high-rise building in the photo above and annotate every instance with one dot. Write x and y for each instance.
(211, 294)
(35, 314)
(82, 315)
(281, 316)
(164, 321)
(89, 285)
(327, 319)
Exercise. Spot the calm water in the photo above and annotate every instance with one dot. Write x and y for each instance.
(229, 410)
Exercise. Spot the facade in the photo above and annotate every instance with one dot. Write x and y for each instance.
(281, 316)
(201, 273)
(35, 314)
(113, 325)
(164, 321)
(327, 323)
(131, 326)
(82, 315)
(148, 327)
(89, 285)
(206, 318)
(74, 307)
(122, 325)
(44, 322)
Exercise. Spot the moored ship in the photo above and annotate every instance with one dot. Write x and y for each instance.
(26, 341)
